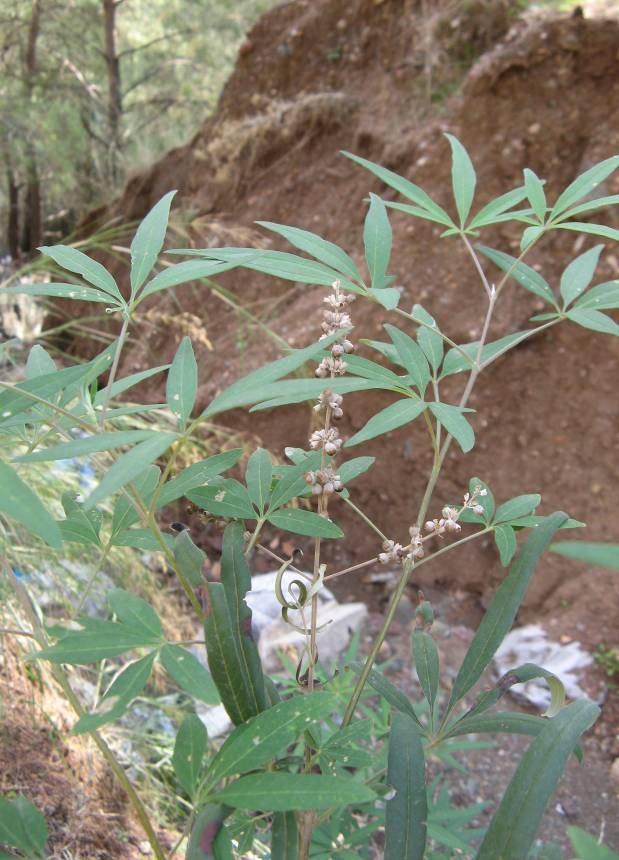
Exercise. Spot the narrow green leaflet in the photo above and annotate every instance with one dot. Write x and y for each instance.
(602, 554)
(455, 362)
(377, 238)
(390, 692)
(247, 389)
(189, 751)
(285, 837)
(327, 252)
(453, 420)
(142, 539)
(224, 497)
(96, 642)
(351, 469)
(302, 522)
(425, 656)
(125, 513)
(517, 507)
(16, 400)
(182, 273)
(519, 271)
(298, 390)
(283, 792)
(432, 344)
(388, 297)
(189, 673)
(39, 362)
(148, 241)
(258, 477)
(515, 823)
(406, 188)
(587, 847)
(80, 526)
(77, 292)
(129, 466)
(491, 213)
(87, 445)
(592, 205)
(189, 558)
(224, 659)
(127, 685)
(18, 502)
(593, 229)
(293, 482)
(579, 274)
(22, 826)
(463, 178)
(411, 357)
(584, 184)
(594, 320)
(406, 813)
(505, 540)
(236, 582)
(196, 474)
(182, 383)
(262, 738)
(508, 722)
(127, 382)
(535, 192)
(396, 415)
(93, 272)
(601, 297)
(501, 613)
(135, 612)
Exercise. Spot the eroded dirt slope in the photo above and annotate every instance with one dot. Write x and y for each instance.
(365, 76)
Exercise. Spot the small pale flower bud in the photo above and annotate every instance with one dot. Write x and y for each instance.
(430, 526)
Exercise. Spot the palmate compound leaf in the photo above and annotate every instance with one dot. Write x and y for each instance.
(515, 823)
(503, 608)
(261, 739)
(283, 792)
(407, 811)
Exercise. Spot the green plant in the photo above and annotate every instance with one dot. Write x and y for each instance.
(305, 763)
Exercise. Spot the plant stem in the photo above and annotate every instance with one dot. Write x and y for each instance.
(366, 519)
(114, 368)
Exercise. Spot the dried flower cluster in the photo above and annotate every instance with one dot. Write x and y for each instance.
(448, 522)
(324, 481)
(335, 319)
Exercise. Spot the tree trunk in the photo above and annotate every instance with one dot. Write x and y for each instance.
(12, 230)
(114, 100)
(32, 235)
